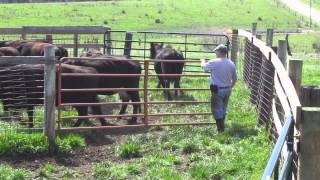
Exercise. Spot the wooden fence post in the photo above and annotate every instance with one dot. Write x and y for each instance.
(254, 28)
(309, 156)
(295, 73)
(50, 96)
(75, 43)
(234, 46)
(127, 45)
(282, 52)
(269, 37)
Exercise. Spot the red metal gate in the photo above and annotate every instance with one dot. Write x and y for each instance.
(145, 115)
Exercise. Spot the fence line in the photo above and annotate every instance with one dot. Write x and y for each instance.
(277, 102)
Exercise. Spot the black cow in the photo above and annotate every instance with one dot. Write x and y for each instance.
(158, 52)
(22, 88)
(122, 65)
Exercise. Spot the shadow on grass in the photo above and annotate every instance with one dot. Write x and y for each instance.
(183, 97)
(240, 130)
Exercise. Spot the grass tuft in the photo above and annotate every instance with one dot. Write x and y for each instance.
(129, 149)
(7, 173)
(12, 143)
(69, 143)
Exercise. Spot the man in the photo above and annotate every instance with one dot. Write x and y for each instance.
(223, 78)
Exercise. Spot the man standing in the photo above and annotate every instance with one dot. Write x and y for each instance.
(223, 78)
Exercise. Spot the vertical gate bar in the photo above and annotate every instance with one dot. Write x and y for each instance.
(276, 171)
(144, 48)
(290, 143)
(128, 44)
(109, 42)
(185, 46)
(59, 96)
(145, 92)
(75, 45)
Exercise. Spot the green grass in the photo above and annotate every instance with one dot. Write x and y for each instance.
(9, 173)
(314, 3)
(129, 149)
(12, 143)
(143, 14)
(302, 48)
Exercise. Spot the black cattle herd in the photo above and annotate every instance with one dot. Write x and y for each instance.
(28, 78)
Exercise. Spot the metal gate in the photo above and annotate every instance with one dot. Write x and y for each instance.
(156, 111)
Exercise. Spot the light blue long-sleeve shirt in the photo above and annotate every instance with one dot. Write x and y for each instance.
(223, 72)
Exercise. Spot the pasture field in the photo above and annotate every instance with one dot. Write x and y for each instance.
(156, 15)
(302, 48)
(314, 3)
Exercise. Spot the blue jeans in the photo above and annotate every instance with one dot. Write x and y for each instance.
(219, 102)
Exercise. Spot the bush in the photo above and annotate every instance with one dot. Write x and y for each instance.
(157, 21)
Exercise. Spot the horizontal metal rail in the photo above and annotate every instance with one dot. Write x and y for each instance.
(116, 58)
(277, 149)
(140, 126)
(131, 103)
(135, 115)
(128, 127)
(141, 49)
(172, 33)
(131, 75)
(165, 42)
(130, 89)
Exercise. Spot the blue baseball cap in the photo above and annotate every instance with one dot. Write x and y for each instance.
(221, 48)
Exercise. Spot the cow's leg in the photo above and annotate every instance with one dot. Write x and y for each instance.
(134, 96)
(161, 82)
(82, 111)
(125, 98)
(97, 110)
(177, 85)
(167, 92)
(30, 116)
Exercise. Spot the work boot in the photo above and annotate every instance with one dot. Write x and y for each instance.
(220, 125)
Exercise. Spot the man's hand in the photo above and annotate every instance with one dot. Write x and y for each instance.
(203, 62)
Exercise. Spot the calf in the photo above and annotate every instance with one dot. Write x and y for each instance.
(158, 52)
